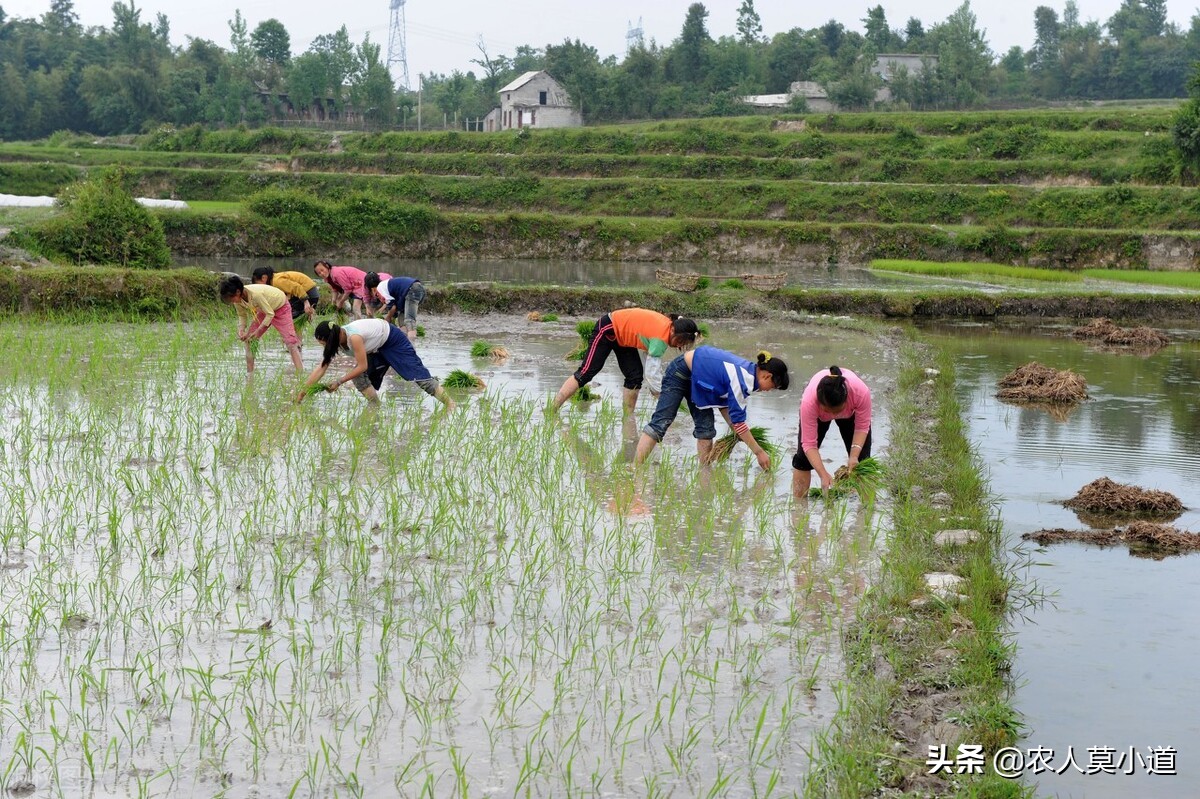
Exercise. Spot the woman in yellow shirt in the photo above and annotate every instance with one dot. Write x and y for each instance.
(259, 307)
(301, 290)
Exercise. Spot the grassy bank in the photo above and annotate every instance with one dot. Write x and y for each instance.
(87, 292)
(923, 670)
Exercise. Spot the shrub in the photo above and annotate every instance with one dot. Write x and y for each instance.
(101, 223)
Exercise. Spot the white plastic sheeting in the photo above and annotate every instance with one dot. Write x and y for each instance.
(18, 201)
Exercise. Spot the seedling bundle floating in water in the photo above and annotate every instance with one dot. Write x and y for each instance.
(723, 446)
(865, 480)
(460, 379)
(484, 349)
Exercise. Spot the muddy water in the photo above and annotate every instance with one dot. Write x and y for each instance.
(1109, 660)
(250, 601)
(581, 272)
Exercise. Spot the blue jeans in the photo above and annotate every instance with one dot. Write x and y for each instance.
(677, 389)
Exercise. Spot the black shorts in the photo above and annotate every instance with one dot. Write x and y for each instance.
(846, 428)
(603, 342)
(297, 303)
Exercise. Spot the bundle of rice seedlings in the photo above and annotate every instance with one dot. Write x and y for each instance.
(585, 331)
(1036, 383)
(585, 394)
(420, 331)
(866, 480)
(703, 283)
(315, 388)
(549, 317)
(460, 379)
(723, 446)
(733, 283)
(483, 349)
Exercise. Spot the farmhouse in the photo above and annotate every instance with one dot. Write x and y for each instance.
(534, 100)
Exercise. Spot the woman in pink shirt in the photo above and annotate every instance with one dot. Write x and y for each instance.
(347, 283)
(833, 395)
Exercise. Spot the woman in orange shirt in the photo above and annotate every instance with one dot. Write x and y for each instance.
(624, 333)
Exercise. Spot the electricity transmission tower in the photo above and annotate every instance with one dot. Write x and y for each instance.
(397, 53)
(633, 37)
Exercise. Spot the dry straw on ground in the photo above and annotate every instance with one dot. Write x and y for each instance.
(1104, 496)
(1036, 383)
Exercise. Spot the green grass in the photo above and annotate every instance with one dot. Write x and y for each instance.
(975, 270)
(214, 206)
(19, 217)
(1183, 280)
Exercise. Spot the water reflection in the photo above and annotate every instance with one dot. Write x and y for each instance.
(1108, 663)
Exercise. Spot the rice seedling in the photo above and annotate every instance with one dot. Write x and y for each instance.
(548, 317)
(461, 379)
(733, 283)
(420, 331)
(1181, 280)
(865, 479)
(227, 590)
(703, 283)
(585, 394)
(585, 330)
(483, 349)
(972, 269)
(723, 447)
(316, 388)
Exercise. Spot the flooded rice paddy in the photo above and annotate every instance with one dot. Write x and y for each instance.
(1108, 659)
(206, 591)
(580, 273)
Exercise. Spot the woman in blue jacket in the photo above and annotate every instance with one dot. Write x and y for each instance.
(708, 378)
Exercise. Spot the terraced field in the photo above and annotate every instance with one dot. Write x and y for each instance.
(1064, 189)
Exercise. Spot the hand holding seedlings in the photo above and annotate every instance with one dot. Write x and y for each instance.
(709, 378)
(832, 396)
(260, 306)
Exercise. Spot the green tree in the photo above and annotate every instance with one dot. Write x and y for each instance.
(879, 36)
(689, 55)
(372, 91)
(964, 60)
(577, 67)
(272, 43)
(749, 24)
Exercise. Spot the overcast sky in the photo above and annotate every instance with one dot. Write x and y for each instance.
(442, 34)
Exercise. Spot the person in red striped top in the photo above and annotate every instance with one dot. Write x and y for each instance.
(626, 333)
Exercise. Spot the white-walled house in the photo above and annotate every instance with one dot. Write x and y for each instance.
(534, 100)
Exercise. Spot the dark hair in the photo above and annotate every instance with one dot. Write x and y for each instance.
(324, 263)
(331, 334)
(371, 280)
(777, 368)
(684, 328)
(832, 391)
(231, 286)
(263, 271)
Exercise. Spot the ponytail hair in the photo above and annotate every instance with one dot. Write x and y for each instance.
(684, 329)
(331, 335)
(831, 390)
(776, 368)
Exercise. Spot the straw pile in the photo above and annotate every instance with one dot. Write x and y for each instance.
(1104, 496)
(1104, 331)
(1159, 540)
(1036, 383)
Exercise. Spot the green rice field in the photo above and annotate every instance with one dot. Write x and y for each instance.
(207, 590)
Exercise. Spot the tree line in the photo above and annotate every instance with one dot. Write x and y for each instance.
(128, 77)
